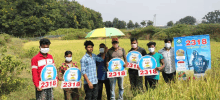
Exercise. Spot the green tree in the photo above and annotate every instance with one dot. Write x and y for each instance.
(130, 24)
(149, 23)
(143, 23)
(212, 17)
(188, 20)
(170, 23)
(108, 24)
(115, 22)
(136, 25)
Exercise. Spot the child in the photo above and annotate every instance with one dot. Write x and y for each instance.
(153, 79)
(69, 92)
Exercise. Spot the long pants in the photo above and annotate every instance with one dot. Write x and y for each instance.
(150, 83)
(120, 85)
(136, 81)
(45, 94)
(107, 86)
(71, 94)
(169, 77)
(91, 94)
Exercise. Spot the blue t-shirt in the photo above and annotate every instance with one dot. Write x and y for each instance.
(157, 57)
(102, 70)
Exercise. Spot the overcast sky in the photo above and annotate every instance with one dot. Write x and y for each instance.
(138, 10)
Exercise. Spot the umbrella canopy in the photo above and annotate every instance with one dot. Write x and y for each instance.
(104, 32)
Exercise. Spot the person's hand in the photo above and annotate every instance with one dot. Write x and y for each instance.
(138, 68)
(158, 68)
(107, 65)
(90, 85)
(125, 65)
(106, 50)
(39, 89)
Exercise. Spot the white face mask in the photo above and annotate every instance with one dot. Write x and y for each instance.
(151, 50)
(134, 45)
(168, 45)
(102, 50)
(68, 59)
(44, 50)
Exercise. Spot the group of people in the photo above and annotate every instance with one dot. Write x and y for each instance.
(94, 69)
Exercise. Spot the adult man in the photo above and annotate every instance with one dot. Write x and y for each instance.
(136, 81)
(169, 71)
(88, 69)
(116, 52)
(38, 62)
(102, 74)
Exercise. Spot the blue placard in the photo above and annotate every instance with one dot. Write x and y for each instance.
(72, 74)
(116, 64)
(48, 73)
(192, 53)
(133, 57)
(147, 62)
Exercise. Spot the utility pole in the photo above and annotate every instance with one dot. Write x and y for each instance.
(154, 20)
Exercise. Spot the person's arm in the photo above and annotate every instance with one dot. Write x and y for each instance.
(144, 52)
(125, 59)
(83, 70)
(60, 75)
(107, 59)
(162, 62)
(35, 75)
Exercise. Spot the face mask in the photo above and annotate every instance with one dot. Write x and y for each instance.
(44, 50)
(101, 50)
(134, 45)
(68, 59)
(151, 50)
(70, 65)
(116, 46)
(167, 45)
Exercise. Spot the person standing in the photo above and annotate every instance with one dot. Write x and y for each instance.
(88, 69)
(136, 81)
(69, 93)
(102, 74)
(169, 71)
(37, 63)
(116, 52)
(153, 79)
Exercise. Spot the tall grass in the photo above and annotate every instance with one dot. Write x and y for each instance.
(204, 88)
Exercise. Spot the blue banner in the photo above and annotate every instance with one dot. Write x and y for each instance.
(192, 55)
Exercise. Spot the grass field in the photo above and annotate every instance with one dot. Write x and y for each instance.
(205, 88)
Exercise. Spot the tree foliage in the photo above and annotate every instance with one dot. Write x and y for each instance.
(170, 23)
(143, 23)
(189, 20)
(130, 24)
(38, 17)
(149, 23)
(212, 17)
(136, 25)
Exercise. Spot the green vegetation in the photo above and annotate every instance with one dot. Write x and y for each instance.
(25, 18)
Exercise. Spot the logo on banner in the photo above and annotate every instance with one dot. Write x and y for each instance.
(48, 77)
(133, 57)
(147, 65)
(71, 78)
(115, 68)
